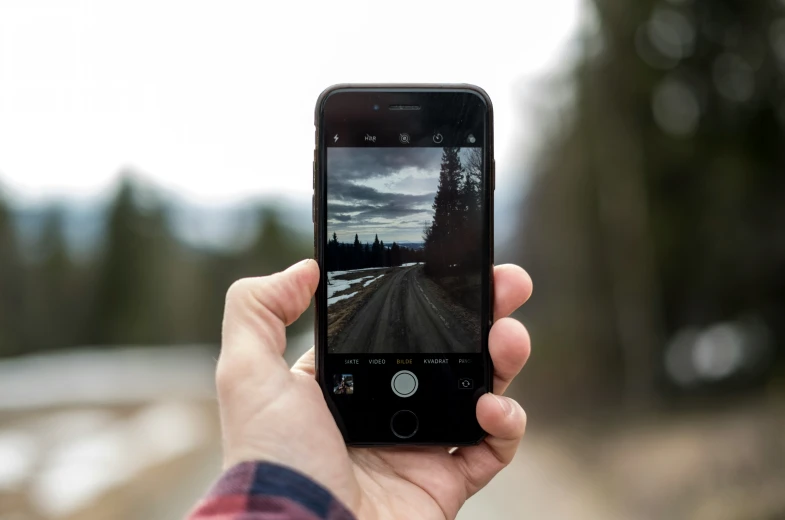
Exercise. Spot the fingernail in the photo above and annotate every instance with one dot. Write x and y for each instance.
(301, 263)
(505, 404)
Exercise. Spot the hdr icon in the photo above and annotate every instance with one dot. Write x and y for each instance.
(371, 138)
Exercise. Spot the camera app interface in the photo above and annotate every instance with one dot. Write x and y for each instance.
(404, 249)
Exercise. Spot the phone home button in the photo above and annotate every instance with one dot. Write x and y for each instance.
(404, 424)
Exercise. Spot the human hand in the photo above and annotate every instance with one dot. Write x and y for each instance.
(271, 413)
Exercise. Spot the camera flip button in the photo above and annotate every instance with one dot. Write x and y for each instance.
(465, 383)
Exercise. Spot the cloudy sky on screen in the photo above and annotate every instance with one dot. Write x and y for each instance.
(384, 191)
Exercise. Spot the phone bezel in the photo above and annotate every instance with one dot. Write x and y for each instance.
(319, 218)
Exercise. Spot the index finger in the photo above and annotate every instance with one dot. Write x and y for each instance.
(512, 286)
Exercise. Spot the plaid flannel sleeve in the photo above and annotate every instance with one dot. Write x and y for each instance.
(264, 491)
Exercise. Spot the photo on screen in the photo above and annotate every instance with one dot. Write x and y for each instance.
(343, 384)
(404, 250)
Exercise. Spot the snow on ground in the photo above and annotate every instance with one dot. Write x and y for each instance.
(106, 376)
(369, 282)
(78, 470)
(75, 447)
(17, 451)
(334, 299)
(80, 429)
(336, 286)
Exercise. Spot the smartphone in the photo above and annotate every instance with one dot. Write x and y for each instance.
(403, 233)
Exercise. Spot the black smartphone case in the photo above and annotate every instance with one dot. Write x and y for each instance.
(319, 219)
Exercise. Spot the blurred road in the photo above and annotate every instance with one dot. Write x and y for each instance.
(402, 316)
(133, 434)
(542, 482)
(122, 433)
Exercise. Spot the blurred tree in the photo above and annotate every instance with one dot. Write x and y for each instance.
(395, 255)
(471, 206)
(11, 290)
(376, 251)
(52, 309)
(357, 252)
(333, 254)
(129, 307)
(276, 247)
(144, 286)
(442, 237)
(658, 204)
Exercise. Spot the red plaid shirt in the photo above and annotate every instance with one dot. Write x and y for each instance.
(264, 491)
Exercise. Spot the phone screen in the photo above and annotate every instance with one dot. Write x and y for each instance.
(405, 250)
(402, 275)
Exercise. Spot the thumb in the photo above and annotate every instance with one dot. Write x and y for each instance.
(257, 312)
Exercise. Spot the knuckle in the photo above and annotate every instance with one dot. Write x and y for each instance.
(223, 377)
(230, 370)
(240, 290)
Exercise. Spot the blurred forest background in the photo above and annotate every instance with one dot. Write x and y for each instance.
(655, 226)
(137, 280)
(654, 229)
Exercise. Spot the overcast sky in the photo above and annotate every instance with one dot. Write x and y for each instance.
(214, 100)
(384, 191)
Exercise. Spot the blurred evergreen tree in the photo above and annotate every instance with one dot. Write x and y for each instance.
(443, 237)
(376, 252)
(395, 255)
(53, 308)
(129, 307)
(144, 286)
(471, 206)
(333, 254)
(11, 290)
(276, 247)
(658, 203)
